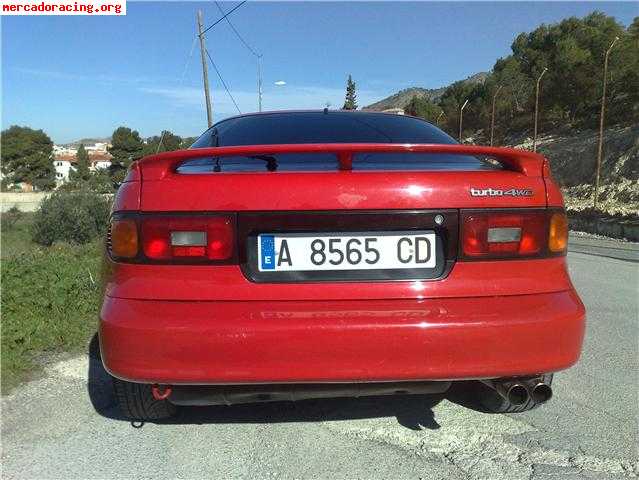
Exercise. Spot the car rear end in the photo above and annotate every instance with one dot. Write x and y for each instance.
(291, 270)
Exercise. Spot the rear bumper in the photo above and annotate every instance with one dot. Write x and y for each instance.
(228, 342)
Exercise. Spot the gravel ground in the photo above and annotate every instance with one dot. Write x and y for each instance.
(66, 425)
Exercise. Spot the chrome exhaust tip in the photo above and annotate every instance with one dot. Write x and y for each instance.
(540, 392)
(514, 392)
(517, 394)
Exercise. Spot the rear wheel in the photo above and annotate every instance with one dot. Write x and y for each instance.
(136, 401)
(495, 403)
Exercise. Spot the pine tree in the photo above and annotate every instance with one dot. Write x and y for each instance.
(351, 95)
(126, 147)
(81, 172)
(27, 157)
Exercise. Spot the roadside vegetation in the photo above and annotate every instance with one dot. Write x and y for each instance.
(51, 292)
(573, 52)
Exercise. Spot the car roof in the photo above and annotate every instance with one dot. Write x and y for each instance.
(318, 111)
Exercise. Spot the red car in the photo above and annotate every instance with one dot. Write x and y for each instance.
(292, 255)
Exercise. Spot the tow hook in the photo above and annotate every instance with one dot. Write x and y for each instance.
(160, 394)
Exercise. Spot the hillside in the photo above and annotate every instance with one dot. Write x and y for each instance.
(572, 156)
(401, 98)
(88, 141)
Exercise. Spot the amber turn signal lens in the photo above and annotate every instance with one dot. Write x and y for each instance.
(558, 233)
(124, 238)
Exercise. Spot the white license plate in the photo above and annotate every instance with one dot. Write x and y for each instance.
(346, 251)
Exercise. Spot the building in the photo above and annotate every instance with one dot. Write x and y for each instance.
(65, 163)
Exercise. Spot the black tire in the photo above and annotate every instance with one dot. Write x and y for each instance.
(137, 403)
(495, 403)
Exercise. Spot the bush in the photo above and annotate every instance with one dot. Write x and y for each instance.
(11, 217)
(76, 217)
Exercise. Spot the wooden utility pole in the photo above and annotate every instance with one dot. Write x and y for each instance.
(601, 122)
(537, 108)
(492, 116)
(205, 70)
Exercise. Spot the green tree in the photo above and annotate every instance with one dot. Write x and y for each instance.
(27, 157)
(166, 142)
(126, 147)
(423, 108)
(187, 142)
(81, 172)
(350, 102)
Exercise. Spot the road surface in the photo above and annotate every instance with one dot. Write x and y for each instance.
(66, 425)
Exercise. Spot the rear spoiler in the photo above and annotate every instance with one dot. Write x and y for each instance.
(157, 167)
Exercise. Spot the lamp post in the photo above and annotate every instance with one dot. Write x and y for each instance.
(492, 116)
(601, 122)
(461, 118)
(438, 117)
(537, 108)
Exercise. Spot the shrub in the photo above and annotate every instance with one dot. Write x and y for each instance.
(11, 217)
(76, 217)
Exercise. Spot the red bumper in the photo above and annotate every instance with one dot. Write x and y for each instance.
(340, 341)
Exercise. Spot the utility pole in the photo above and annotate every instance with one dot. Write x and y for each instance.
(537, 108)
(205, 70)
(259, 83)
(601, 122)
(461, 117)
(492, 116)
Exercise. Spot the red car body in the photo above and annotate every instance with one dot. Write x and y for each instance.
(217, 324)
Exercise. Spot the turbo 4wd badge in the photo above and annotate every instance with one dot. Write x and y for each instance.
(492, 192)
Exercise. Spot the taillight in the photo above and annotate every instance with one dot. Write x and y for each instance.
(512, 234)
(558, 233)
(178, 238)
(124, 238)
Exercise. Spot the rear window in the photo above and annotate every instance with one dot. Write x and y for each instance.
(315, 162)
(331, 127)
(320, 127)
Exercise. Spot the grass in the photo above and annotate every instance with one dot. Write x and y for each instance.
(50, 299)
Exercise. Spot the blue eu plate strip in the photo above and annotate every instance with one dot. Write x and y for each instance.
(267, 254)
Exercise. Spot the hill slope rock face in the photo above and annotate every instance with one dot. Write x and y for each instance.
(573, 158)
(403, 97)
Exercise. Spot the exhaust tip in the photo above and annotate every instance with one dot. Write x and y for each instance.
(517, 394)
(541, 392)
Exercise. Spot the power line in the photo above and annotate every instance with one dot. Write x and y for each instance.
(186, 67)
(237, 34)
(250, 49)
(220, 19)
(223, 82)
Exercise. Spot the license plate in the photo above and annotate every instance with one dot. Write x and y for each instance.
(346, 251)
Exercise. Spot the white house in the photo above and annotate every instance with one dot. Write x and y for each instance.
(64, 164)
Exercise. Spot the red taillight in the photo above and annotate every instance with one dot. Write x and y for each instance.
(504, 234)
(198, 237)
(180, 238)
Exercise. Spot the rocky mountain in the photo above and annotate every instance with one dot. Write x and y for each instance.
(401, 98)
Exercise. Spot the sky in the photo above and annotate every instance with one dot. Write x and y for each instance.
(83, 76)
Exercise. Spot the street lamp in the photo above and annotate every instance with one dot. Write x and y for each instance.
(438, 117)
(537, 108)
(601, 121)
(492, 116)
(461, 117)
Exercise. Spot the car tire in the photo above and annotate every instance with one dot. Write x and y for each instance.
(495, 403)
(136, 402)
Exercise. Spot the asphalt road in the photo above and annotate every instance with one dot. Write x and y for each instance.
(66, 425)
